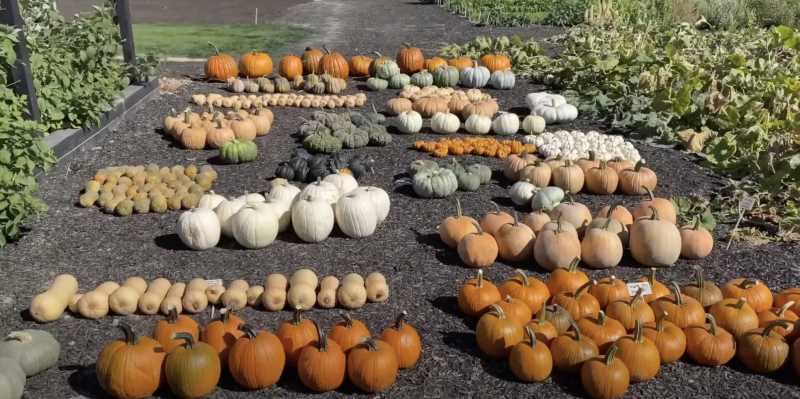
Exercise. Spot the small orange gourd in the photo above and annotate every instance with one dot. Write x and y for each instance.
(569, 279)
(571, 349)
(531, 291)
(405, 341)
(530, 360)
(497, 334)
(454, 228)
(476, 295)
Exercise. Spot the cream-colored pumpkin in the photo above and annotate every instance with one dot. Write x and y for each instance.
(556, 248)
(445, 122)
(356, 215)
(573, 212)
(380, 200)
(569, 177)
(655, 242)
(199, 229)
(601, 248)
(255, 225)
(506, 124)
(225, 211)
(478, 124)
(344, 182)
(312, 218)
(282, 210)
(533, 124)
(521, 192)
(409, 122)
(283, 191)
(210, 200)
(251, 197)
(321, 189)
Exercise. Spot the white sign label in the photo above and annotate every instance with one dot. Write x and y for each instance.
(747, 203)
(633, 288)
(214, 282)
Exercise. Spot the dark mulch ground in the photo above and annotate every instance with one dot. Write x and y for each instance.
(424, 275)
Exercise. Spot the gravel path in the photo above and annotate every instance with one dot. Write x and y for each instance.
(423, 275)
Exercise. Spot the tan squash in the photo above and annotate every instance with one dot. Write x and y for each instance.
(194, 298)
(655, 242)
(150, 301)
(515, 241)
(328, 288)
(352, 294)
(536, 220)
(601, 179)
(274, 297)
(577, 214)
(302, 290)
(72, 304)
(50, 305)
(254, 295)
(235, 297)
(569, 177)
(125, 299)
(556, 248)
(94, 304)
(377, 289)
(214, 294)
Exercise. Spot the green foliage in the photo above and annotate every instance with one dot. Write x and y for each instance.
(689, 208)
(523, 55)
(726, 14)
(768, 13)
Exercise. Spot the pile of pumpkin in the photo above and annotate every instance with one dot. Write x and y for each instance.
(485, 147)
(589, 174)
(24, 354)
(123, 190)
(327, 132)
(313, 84)
(597, 329)
(307, 168)
(254, 220)
(191, 361)
(431, 180)
(558, 232)
(236, 131)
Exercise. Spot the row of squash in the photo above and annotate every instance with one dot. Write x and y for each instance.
(634, 335)
(388, 75)
(254, 220)
(191, 361)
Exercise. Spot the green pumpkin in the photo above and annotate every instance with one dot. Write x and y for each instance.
(324, 143)
(435, 183)
(238, 151)
(12, 379)
(352, 138)
(375, 117)
(468, 181)
(453, 165)
(445, 76)
(318, 88)
(422, 79)
(378, 136)
(421, 165)
(502, 80)
(377, 84)
(34, 350)
(483, 171)
(265, 85)
(387, 70)
(282, 85)
(399, 81)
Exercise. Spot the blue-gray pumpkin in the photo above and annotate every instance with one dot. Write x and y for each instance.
(399, 81)
(422, 79)
(445, 76)
(387, 70)
(12, 379)
(377, 84)
(438, 183)
(421, 165)
(34, 350)
(483, 171)
(468, 181)
(502, 80)
(475, 76)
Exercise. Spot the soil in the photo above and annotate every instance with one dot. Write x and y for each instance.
(424, 274)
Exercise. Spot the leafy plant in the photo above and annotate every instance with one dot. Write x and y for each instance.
(687, 208)
(145, 67)
(523, 54)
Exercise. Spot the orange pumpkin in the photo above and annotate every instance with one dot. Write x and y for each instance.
(294, 335)
(610, 289)
(348, 333)
(222, 333)
(758, 295)
(322, 364)
(708, 345)
(220, 66)
(290, 66)
(658, 288)
(531, 291)
(569, 279)
(605, 377)
(460, 63)
(578, 304)
(253, 65)
(783, 314)
(516, 309)
(256, 360)
(410, 59)
(762, 351)
(639, 354)
(497, 334)
(311, 58)
(454, 228)
(405, 341)
(174, 324)
(682, 310)
(789, 294)
(334, 64)
(132, 367)
(433, 63)
(193, 369)
(572, 349)
(372, 366)
(630, 312)
(495, 62)
(668, 338)
(530, 360)
(545, 331)
(477, 295)
(359, 65)
(602, 330)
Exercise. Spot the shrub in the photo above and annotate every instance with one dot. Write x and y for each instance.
(768, 13)
(726, 14)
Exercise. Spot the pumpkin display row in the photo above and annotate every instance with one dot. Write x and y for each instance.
(123, 190)
(428, 101)
(24, 354)
(560, 232)
(314, 84)
(280, 100)
(431, 180)
(575, 145)
(483, 146)
(213, 130)
(328, 132)
(190, 361)
(254, 220)
(389, 75)
(589, 319)
(586, 174)
(307, 168)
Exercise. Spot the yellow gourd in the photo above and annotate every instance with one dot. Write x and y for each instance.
(235, 297)
(214, 294)
(327, 292)
(72, 305)
(255, 295)
(49, 305)
(352, 294)
(274, 297)
(125, 300)
(377, 290)
(151, 300)
(94, 304)
(194, 298)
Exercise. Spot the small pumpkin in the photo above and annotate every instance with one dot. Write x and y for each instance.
(758, 295)
(763, 350)
(174, 323)
(290, 66)
(322, 364)
(577, 214)
(515, 241)
(637, 180)
(779, 314)
(514, 164)
(531, 291)
(569, 177)
(602, 330)
(410, 59)
(668, 338)
(378, 61)
(359, 65)
(789, 294)
(496, 62)
(557, 248)
(222, 333)
(295, 335)
(256, 360)
(516, 309)
(735, 316)
(192, 369)
(602, 248)
(238, 151)
(497, 334)
(682, 310)
(639, 354)
(502, 80)
(619, 213)
(578, 304)
(334, 64)
(658, 289)
(432, 63)
(628, 313)
(454, 228)
(405, 341)
(530, 360)
(666, 211)
(615, 225)
(446, 76)
(544, 330)
(422, 79)
(655, 242)
(559, 318)
(703, 291)
(130, 368)
(348, 333)
(477, 249)
(572, 349)
(495, 219)
(569, 279)
(536, 221)
(696, 241)
(372, 366)
(605, 377)
(601, 179)
(477, 295)
(708, 345)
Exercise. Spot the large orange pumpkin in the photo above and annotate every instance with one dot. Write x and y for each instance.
(254, 65)
(372, 366)
(433, 63)
(359, 65)
(495, 62)
(410, 59)
(220, 66)
(132, 367)
(294, 335)
(222, 333)
(310, 59)
(290, 66)
(256, 360)
(334, 64)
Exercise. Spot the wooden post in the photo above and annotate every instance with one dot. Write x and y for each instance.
(123, 18)
(21, 76)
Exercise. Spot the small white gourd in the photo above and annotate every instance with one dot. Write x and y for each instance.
(506, 124)
(356, 215)
(478, 124)
(409, 122)
(312, 219)
(533, 124)
(521, 192)
(380, 200)
(199, 229)
(344, 182)
(445, 123)
(210, 200)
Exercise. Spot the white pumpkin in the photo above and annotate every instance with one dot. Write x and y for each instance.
(529, 139)
(255, 225)
(252, 197)
(344, 182)
(225, 211)
(533, 124)
(475, 76)
(547, 198)
(521, 192)
(478, 124)
(199, 229)
(210, 200)
(554, 113)
(409, 122)
(502, 80)
(284, 191)
(534, 99)
(321, 189)
(380, 200)
(312, 219)
(506, 124)
(356, 215)
(283, 211)
(445, 123)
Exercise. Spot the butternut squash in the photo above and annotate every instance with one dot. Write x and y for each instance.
(173, 299)
(274, 297)
(352, 294)
(50, 305)
(72, 305)
(254, 296)
(150, 301)
(214, 294)
(235, 297)
(94, 304)
(327, 292)
(302, 290)
(194, 298)
(377, 290)
(125, 300)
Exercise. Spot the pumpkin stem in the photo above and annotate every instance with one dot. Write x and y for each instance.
(569, 196)
(573, 267)
(676, 292)
(532, 337)
(216, 50)
(130, 337)
(398, 322)
(567, 163)
(558, 222)
(370, 343)
(496, 209)
(574, 327)
(296, 319)
(660, 322)
(525, 281)
(327, 51)
(741, 303)
(225, 315)
(458, 209)
(479, 284)
(614, 208)
(651, 277)
(748, 283)
(348, 321)
(579, 291)
(25, 337)
(700, 280)
(219, 123)
(250, 331)
(186, 119)
(606, 224)
(638, 165)
(610, 353)
(782, 311)
(172, 317)
(601, 318)
(321, 338)
(591, 155)
(772, 325)
(713, 321)
(478, 227)
(542, 314)
(638, 335)
(655, 213)
(602, 165)
(636, 297)
(649, 193)
(696, 223)
(190, 343)
(498, 310)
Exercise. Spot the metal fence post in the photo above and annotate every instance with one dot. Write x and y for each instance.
(123, 18)
(21, 76)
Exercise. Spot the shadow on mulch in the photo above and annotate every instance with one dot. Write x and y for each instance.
(464, 342)
(215, 161)
(449, 305)
(406, 189)
(569, 384)
(522, 111)
(171, 242)
(429, 240)
(290, 380)
(83, 380)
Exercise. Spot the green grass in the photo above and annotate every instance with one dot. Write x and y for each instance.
(190, 40)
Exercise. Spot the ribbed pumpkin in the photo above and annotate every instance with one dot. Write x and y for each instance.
(578, 304)
(758, 295)
(476, 295)
(405, 341)
(602, 247)
(372, 366)
(495, 62)
(348, 333)
(290, 66)
(569, 279)
(516, 309)
(494, 219)
(610, 289)
(668, 338)
(379, 59)
(666, 211)
(536, 220)
(530, 360)
(577, 214)
(703, 291)
(764, 350)
(322, 364)
(682, 310)
(620, 213)
(222, 333)
(630, 312)
(454, 228)
(572, 349)
(734, 315)
(637, 180)
(410, 59)
(602, 330)
(253, 64)
(334, 64)
(639, 354)
(256, 360)
(569, 177)
(605, 377)
(515, 241)
(294, 335)
(477, 249)
(432, 63)
(789, 294)
(174, 323)
(311, 61)
(514, 164)
(658, 289)
(601, 179)
(556, 248)
(497, 334)
(544, 330)
(708, 345)
(531, 291)
(359, 65)
(783, 314)
(220, 66)
(193, 369)
(559, 318)
(130, 368)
